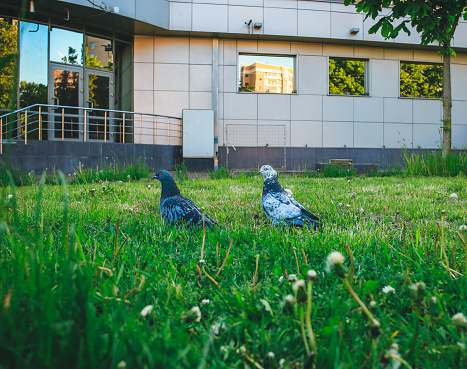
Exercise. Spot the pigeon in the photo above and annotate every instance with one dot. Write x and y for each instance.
(279, 205)
(178, 210)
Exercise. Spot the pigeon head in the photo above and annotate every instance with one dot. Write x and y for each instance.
(268, 172)
(163, 176)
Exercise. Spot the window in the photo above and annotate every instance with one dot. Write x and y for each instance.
(421, 80)
(347, 76)
(252, 68)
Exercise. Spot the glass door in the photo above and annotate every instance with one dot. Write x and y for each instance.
(66, 93)
(99, 95)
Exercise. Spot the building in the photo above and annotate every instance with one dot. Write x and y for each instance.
(137, 67)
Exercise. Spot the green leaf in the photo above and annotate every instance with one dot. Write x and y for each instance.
(267, 307)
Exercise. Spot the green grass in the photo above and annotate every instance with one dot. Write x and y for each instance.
(68, 298)
(433, 163)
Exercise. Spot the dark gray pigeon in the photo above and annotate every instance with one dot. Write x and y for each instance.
(280, 207)
(176, 209)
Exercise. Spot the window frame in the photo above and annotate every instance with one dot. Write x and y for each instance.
(366, 84)
(238, 73)
(418, 63)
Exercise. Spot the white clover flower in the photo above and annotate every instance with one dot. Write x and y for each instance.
(453, 196)
(271, 355)
(205, 302)
(373, 304)
(146, 311)
(393, 353)
(215, 328)
(202, 262)
(289, 299)
(10, 196)
(128, 176)
(459, 320)
(333, 259)
(340, 204)
(223, 349)
(388, 289)
(282, 361)
(463, 228)
(197, 312)
(121, 365)
(74, 173)
(297, 285)
(281, 279)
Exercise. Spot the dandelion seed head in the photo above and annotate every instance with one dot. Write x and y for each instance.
(271, 355)
(197, 312)
(297, 285)
(312, 275)
(388, 289)
(10, 196)
(121, 365)
(146, 311)
(459, 320)
(463, 228)
(333, 259)
(292, 278)
(453, 196)
(205, 302)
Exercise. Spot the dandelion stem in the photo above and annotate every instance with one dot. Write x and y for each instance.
(304, 256)
(204, 239)
(296, 260)
(226, 256)
(465, 246)
(309, 328)
(352, 267)
(360, 302)
(442, 241)
(256, 271)
(210, 278)
(217, 254)
(302, 326)
(116, 238)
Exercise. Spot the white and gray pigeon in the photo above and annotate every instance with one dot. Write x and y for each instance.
(178, 210)
(280, 207)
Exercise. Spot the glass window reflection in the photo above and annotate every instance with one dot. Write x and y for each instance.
(266, 73)
(98, 53)
(8, 48)
(66, 46)
(33, 65)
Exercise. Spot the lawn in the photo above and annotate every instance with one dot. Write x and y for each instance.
(90, 277)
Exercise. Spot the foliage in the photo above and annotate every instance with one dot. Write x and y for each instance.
(246, 88)
(92, 277)
(220, 173)
(17, 176)
(8, 64)
(32, 93)
(434, 163)
(112, 172)
(181, 171)
(346, 77)
(421, 80)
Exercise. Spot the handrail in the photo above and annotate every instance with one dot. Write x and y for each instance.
(62, 122)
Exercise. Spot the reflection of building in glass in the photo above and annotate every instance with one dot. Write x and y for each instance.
(262, 77)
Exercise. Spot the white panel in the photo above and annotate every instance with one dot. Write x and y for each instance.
(459, 112)
(459, 81)
(238, 15)
(340, 7)
(368, 135)
(171, 50)
(338, 108)
(220, 133)
(230, 52)
(337, 134)
(220, 111)
(200, 51)
(209, 18)
(384, 78)
(338, 50)
(426, 136)
(200, 78)
(306, 107)
(221, 78)
(143, 49)
(312, 72)
(230, 79)
(198, 133)
(143, 102)
(274, 47)
(427, 111)
(241, 133)
(170, 102)
(301, 48)
(398, 110)
(306, 133)
(273, 106)
(211, 1)
(200, 100)
(398, 54)
(368, 109)
(404, 38)
(342, 23)
(246, 2)
(427, 56)
(280, 21)
(459, 37)
(397, 135)
(314, 5)
(281, 4)
(171, 77)
(274, 133)
(240, 106)
(314, 23)
(246, 46)
(180, 16)
(459, 136)
(368, 52)
(143, 76)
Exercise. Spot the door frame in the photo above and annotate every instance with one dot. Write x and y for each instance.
(102, 73)
(51, 98)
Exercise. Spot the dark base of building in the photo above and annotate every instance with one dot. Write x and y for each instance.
(69, 156)
(199, 164)
(301, 158)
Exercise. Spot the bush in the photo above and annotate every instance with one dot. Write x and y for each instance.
(116, 172)
(433, 163)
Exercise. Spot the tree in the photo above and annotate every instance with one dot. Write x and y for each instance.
(346, 77)
(435, 21)
(8, 65)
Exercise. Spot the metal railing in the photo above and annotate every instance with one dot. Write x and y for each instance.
(70, 123)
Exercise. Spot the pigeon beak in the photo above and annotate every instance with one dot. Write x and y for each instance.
(260, 172)
(154, 177)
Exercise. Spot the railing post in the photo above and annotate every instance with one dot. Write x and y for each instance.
(63, 123)
(123, 129)
(180, 132)
(140, 124)
(85, 124)
(26, 127)
(155, 129)
(40, 124)
(105, 126)
(168, 130)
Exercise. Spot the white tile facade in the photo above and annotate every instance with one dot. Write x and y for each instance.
(176, 73)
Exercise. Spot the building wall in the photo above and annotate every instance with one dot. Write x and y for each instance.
(172, 74)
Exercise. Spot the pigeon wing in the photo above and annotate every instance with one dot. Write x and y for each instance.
(279, 208)
(178, 210)
(305, 212)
